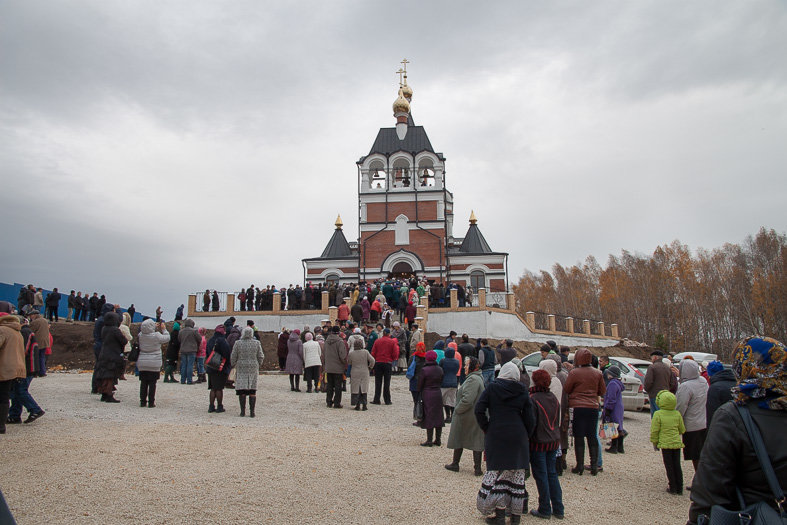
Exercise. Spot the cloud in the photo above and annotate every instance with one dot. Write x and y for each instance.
(150, 149)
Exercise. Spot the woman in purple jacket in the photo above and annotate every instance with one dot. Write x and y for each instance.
(613, 408)
(429, 386)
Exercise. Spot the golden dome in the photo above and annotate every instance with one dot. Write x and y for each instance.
(401, 105)
(407, 91)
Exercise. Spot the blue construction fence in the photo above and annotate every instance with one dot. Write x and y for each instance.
(10, 292)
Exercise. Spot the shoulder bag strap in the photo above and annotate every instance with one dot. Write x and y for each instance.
(762, 455)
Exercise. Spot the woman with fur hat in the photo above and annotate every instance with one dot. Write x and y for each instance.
(544, 445)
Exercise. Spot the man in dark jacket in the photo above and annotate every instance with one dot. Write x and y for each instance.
(508, 352)
(466, 349)
(658, 378)
(335, 366)
(71, 304)
(131, 311)
(93, 307)
(53, 305)
(721, 381)
(486, 360)
(385, 351)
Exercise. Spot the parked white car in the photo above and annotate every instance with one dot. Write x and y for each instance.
(698, 357)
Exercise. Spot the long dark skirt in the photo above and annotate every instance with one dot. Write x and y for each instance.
(585, 422)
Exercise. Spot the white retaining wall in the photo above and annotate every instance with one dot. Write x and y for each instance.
(266, 323)
(498, 325)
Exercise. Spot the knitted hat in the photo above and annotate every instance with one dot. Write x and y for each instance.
(714, 367)
(431, 355)
(541, 378)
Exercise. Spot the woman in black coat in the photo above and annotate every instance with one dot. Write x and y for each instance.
(217, 376)
(429, 382)
(728, 460)
(110, 363)
(509, 422)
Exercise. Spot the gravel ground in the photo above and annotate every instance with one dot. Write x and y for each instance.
(296, 462)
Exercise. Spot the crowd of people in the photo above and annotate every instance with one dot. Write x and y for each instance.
(81, 305)
(524, 424)
(395, 294)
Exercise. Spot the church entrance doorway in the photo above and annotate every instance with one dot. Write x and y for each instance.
(401, 270)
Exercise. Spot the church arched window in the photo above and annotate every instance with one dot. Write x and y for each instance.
(477, 280)
(401, 176)
(426, 173)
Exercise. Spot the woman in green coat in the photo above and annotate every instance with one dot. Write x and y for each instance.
(465, 432)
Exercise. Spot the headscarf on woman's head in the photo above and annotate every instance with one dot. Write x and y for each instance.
(450, 353)
(221, 330)
(431, 356)
(296, 332)
(308, 336)
(549, 366)
(509, 372)
(439, 345)
(714, 367)
(420, 348)
(247, 333)
(126, 319)
(201, 330)
(760, 363)
(453, 345)
(557, 360)
(472, 363)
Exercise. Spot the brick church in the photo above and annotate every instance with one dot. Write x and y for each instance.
(406, 217)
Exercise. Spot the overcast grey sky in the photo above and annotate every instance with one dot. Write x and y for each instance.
(151, 149)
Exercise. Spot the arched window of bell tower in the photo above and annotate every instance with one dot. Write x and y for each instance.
(377, 176)
(401, 176)
(426, 173)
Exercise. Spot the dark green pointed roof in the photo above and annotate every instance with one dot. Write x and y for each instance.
(337, 246)
(474, 242)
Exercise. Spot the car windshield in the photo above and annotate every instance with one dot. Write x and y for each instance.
(533, 359)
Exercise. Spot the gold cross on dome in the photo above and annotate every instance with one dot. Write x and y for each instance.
(400, 73)
(404, 63)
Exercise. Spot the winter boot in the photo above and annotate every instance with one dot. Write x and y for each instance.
(613, 447)
(242, 400)
(594, 469)
(447, 413)
(252, 405)
(454, 465)
(477, 456)
(438, 432)
(620, 445)
(499, 518)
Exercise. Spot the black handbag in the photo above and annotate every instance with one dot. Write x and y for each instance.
(134, 354)
(419, 410)
(760, 513)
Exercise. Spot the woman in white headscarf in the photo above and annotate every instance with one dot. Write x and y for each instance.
(246, 359)
(505, 415)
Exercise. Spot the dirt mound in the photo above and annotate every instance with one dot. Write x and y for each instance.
(73, 348)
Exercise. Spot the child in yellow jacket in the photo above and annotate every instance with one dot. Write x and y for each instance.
(666, 429)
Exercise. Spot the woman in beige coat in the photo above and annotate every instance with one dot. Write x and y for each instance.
(12, 361)
(361, 361)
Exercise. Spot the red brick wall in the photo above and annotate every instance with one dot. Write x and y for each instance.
(427, 247)
(375, 211)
